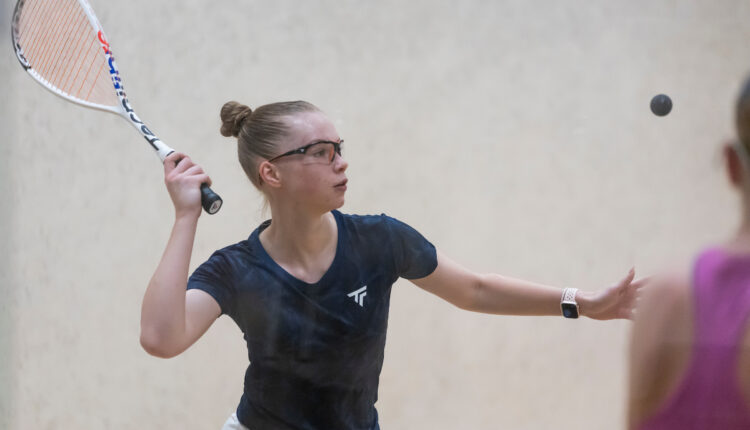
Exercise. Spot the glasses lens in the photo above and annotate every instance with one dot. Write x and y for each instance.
(320, 153)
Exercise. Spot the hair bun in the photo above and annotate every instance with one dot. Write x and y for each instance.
(233, 114)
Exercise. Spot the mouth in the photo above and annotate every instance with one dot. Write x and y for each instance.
(342, 184)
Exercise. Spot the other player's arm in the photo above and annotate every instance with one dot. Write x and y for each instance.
(497, 294)
(171, 318)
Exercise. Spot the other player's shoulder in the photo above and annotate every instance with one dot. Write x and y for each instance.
(666, 300)
(670, 286)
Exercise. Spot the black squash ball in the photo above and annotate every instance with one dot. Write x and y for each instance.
(661, 105)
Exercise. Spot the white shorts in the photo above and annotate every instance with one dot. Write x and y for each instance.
(233, 423)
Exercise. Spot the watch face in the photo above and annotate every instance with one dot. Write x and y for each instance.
(569, 310)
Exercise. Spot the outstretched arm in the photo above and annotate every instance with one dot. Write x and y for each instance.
(171, 318)
(496, 294)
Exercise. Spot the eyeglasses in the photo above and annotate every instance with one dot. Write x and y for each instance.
(319, 152)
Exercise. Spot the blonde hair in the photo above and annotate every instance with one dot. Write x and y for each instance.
(259, 131)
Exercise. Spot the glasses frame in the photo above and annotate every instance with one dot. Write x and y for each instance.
(303, 150)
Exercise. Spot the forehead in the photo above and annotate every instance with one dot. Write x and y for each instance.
(308, 127)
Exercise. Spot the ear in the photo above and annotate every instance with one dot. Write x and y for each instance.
(269, 174)
(733, 165)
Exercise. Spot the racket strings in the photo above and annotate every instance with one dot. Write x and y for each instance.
(62, 47)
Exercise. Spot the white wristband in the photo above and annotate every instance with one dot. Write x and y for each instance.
(569, 294)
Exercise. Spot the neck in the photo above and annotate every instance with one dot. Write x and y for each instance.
(296, 235)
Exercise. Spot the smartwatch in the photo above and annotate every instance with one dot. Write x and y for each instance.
(568, 303)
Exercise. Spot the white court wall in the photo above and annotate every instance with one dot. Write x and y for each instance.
(515, 135)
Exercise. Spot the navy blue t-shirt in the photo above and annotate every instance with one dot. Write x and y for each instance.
(315, 350)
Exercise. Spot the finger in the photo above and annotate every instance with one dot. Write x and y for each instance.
(626, 307)
(170, 162)
(627, 280)
(643, 281)
(183, 165)
(203, 179)
(194, 170)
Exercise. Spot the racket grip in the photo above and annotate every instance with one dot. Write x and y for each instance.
(210, 201)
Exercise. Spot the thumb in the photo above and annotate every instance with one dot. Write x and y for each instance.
(630, 275)
(628, 278)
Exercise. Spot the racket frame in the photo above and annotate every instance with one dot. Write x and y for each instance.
(211, 201)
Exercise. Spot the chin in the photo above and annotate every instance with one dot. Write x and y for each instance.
(330, 206)
(338, 204)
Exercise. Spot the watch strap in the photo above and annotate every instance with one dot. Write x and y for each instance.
(569, 295)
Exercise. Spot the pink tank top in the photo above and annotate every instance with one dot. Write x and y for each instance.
(709, 396)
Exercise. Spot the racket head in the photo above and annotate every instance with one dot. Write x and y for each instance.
(61, 44)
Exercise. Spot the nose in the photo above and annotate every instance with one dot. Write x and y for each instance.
(339, 164)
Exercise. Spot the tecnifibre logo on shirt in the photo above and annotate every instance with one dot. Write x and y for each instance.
(359, 295)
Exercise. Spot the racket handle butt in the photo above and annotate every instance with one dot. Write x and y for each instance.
(210, 201)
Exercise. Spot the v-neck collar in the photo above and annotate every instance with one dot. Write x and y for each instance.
(280, 271)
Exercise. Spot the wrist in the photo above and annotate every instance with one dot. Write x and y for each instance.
(570, 307)
(584, 301)
(186, 216)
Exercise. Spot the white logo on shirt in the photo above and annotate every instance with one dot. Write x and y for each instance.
(359, 295)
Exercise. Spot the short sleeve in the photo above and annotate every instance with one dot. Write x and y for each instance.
(414, 256)
(214, 277)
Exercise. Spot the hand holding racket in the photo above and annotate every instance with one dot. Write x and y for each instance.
(182, 178)
(61, 44)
